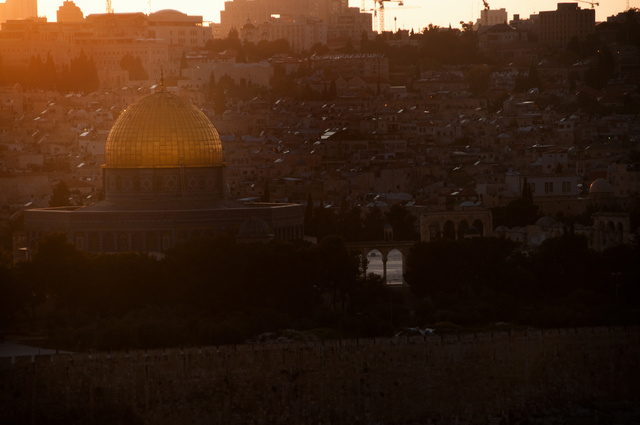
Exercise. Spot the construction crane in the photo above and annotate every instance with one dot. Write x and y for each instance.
(380, 7)
(593, 4)
(109, 7)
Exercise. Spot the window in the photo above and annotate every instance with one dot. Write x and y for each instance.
(532, 187)
(548, 187)
(566, 187)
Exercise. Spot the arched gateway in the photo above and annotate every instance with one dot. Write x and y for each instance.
(384, 247)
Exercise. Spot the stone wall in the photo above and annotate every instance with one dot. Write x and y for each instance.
(438, 379)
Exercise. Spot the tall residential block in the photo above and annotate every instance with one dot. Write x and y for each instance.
(558, 27)
(18, 9)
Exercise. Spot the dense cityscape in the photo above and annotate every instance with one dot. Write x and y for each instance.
(166, 183)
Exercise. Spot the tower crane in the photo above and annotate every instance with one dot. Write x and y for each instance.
(589, 2)
(380, 9)
(109, 7)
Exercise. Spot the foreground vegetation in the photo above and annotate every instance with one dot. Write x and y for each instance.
(216, 291)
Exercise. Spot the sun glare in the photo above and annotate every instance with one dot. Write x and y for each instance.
(408, 14)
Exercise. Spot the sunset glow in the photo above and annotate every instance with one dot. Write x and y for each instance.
(414, 14)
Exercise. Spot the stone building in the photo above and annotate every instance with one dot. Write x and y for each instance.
(164, 184)
(466, 221)
(18, 9)
(158, 40)
(335, 18)
(558, 27)
(69, 12)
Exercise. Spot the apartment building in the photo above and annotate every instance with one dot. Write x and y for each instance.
(558, 27)
(342, 21)
(18, 9)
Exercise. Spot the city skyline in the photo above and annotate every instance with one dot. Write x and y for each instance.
(415, 14)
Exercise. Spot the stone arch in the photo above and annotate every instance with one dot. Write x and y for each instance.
(375, 261)
(479, 225)
(397, 276)
(94, 242)
(463, 226)
(152, 242)
(123, 242)
(79, 240)
(434, 231)
(108, 242)
(449, 230)
(384, 248)
(136, 241)
(434, 223)
(619, 232)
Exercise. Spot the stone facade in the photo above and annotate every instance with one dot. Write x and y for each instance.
(477, 378)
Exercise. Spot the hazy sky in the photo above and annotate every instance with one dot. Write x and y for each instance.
(414, 14)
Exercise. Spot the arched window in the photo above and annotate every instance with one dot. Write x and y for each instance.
(434, 231)
(152, 242)
(108, 242)
(123, 242)
(463, 226)
(136, 241)
(479, 225)
(94, 242)
(449, 231)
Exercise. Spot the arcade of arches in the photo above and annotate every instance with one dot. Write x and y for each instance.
(455, 225)
(384, 247)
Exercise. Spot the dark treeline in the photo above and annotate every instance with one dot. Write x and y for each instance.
(81, 75)
(209, 291)
(357, 224)
(216, 291)
(561, 283)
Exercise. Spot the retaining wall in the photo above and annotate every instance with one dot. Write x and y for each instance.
(437, 379)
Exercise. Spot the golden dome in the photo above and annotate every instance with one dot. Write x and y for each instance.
(163, 130)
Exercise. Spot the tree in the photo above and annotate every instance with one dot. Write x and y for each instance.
(3, 77)
(61, 195)
(478, 77)
(211, 89)
(81, 75)
(309, 223)
(374, 222)
(266, 195)
(349, 222)
(333, 90)
(184, 64)
(564, 264)
(324, 220)
(403, 223)
(220, 100)
(340, 269)
(61, 270)
(461, 269)
(133, 65)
